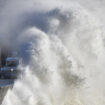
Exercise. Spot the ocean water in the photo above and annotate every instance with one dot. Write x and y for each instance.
(62, 45)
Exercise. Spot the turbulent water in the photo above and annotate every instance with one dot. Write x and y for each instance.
(62, 45)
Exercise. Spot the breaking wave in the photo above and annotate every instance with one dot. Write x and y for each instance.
(63, 52)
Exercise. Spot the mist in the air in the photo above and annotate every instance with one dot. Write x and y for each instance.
(62, 45)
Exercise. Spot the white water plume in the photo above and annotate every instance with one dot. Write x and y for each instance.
(63, 50)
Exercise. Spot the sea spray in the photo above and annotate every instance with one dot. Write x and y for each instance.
(48, 79)
(63, 52)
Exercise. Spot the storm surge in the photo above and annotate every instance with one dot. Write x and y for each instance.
(62, 47)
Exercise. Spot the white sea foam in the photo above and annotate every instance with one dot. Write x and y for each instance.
(62, 45)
